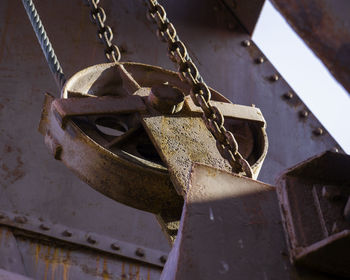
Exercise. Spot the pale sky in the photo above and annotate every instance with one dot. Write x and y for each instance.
(306, 74)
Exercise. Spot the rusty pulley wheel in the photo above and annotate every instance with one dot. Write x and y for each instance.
(96, 129)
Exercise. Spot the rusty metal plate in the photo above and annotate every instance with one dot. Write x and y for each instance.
(313, 197)
(230, 229)
(324, 26)
(59, 261)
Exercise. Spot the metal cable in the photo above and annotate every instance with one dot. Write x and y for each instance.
(45, 44)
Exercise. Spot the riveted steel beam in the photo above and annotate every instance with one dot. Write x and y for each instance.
(42, 229)
(324, 26)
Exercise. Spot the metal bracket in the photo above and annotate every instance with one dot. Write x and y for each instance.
(313, 197)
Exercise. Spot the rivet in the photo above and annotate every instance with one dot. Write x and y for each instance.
(67, 233)
(44, 227)
(288, 95)
(140, 252)
(163, 259)
(2, 216)
(318, 131)
(274, 78)
(21, 219)
(303, 114)
(115, 246)
(246, 43)
(91, 239)
(335, 149)
(260, 60)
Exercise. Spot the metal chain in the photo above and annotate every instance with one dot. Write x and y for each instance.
(200, 93)
(45, 43)
(104, 32)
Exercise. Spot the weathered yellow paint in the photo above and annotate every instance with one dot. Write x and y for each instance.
(137, 272)
(123, 271)
(131, 276)
(55, 260)
(148, 274)
(97, 265)
(66, 266)
(105, 273)
(47, 261)
(37, 252)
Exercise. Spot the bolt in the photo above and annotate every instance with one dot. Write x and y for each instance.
(21, 219)
(274, 78)
(140, 252)
(335, 149)
(163, 259)
(288, 95)
(166, 99)
(45, 227)
(318, 131)
(91, 239)
(246, 43)
(303, 114)
(115, 246)
(67, 233)
(2, 216)
(260, 60)
(347, 210)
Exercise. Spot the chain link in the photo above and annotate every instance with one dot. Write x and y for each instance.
(200, 93)
(104, 32)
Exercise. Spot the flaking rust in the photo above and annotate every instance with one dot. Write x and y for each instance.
(157, 146)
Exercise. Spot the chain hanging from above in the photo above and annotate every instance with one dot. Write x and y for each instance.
(104, 32)
(200, 93)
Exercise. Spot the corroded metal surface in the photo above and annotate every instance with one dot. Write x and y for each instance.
(230, 229)
(32, 183)
(313, 196)
(10, 258)
(105, 163)
(44, 260)
(324, 26)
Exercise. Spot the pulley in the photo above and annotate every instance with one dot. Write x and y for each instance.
(132, 132)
